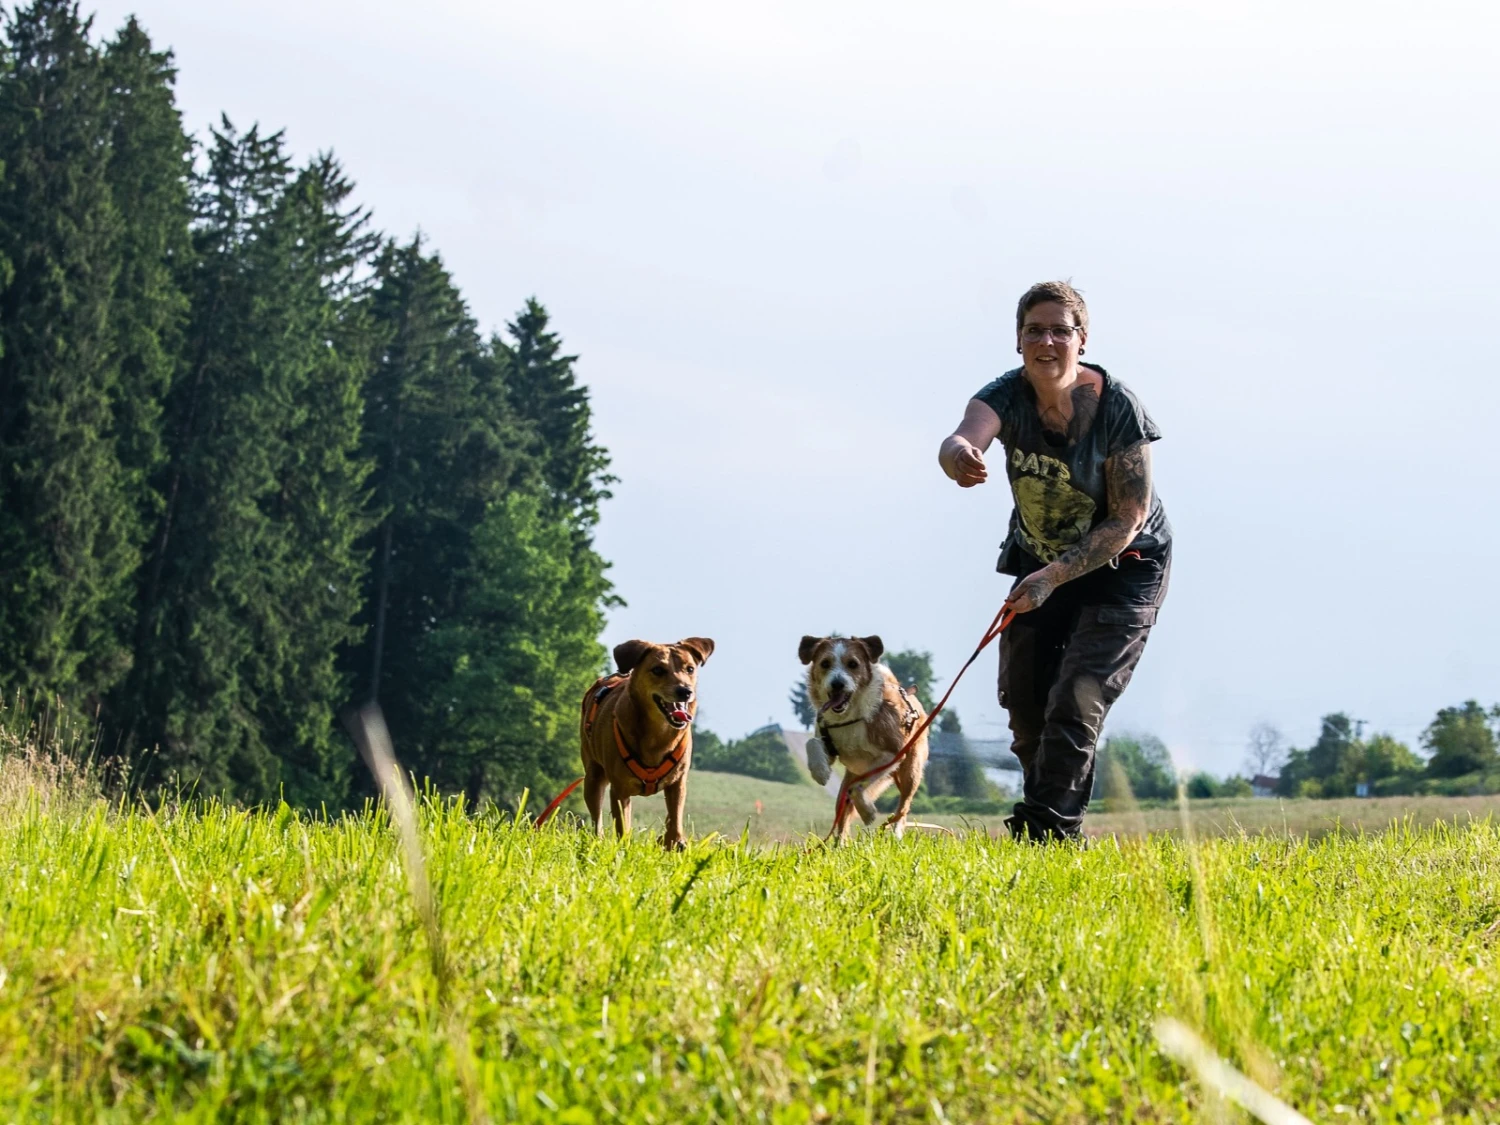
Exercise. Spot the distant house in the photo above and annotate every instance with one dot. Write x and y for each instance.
(1263, 786)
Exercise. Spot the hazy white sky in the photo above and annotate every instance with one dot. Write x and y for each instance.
(786, 240)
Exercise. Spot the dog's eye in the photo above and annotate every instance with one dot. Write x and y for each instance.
(852, 665)
(826, 663)
(658, 671)
(689, 669)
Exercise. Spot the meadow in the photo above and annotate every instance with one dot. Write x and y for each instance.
(727, 803)
(208, 963)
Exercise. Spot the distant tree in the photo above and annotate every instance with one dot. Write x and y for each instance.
(1134, 765)
(1202, 785)
(1266, 751)
(913, 669)
(802, 706)
(1382, 756)
(1235, 787)
(1461, 740)
(762, 753)
(1327, 768)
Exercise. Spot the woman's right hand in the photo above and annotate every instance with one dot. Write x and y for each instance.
(968, 465)
(962, 453)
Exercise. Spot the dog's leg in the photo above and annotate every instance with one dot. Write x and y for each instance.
(864, 806)
(595, 782)
(819, 762)
(906, 783)
(620, 807)
(841, 822)
(676, 795)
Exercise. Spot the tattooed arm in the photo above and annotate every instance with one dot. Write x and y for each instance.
(962, 453)
(1127, 477)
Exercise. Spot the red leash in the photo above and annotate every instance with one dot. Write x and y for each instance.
(997, 626)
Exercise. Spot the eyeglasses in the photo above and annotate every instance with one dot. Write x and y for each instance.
(1062, 333)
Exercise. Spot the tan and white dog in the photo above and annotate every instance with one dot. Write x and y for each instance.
(864, 718)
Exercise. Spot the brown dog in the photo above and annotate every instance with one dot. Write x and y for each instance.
(864, 718)
(637, 731)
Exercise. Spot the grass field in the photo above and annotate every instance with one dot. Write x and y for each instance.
(222, 965)
(725, 803)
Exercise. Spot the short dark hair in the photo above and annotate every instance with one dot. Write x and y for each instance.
(1053, 291)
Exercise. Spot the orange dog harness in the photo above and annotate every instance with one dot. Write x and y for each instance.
(649, 776)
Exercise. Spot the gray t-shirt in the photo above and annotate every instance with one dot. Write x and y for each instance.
(1058, 484)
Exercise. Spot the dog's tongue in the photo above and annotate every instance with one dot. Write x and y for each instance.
(680, 715)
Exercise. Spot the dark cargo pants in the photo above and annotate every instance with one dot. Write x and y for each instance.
(1061, 669)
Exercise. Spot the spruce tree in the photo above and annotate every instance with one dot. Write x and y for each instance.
(486, 596)
(444, 443)
(70, 522)
(519, 655)
(149, 172)
(545, 392)
(256, 574)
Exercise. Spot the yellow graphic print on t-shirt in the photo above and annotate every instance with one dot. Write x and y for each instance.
(1053, 514)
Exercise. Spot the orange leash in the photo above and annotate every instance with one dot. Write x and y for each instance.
(602, 687)
(997, 626)
(559, 799)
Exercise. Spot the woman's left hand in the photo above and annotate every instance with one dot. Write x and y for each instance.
(1032, 591)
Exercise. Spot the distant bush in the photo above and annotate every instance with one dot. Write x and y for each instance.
(1134, 765)
(1204, 786)
(761, 754)
(1466, 785)
(1235, 787)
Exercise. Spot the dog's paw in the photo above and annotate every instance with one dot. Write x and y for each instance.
(897, 824)
(862, 805)
(819, 764)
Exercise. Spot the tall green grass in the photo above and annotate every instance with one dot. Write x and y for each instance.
(209, 964)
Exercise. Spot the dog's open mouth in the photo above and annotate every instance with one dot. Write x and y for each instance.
(677, 713)
(838, 701)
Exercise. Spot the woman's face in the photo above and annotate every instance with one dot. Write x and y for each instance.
(1048, 355)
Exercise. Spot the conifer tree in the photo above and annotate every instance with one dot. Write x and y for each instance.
(149, 171)
(519, 656)
(444, 444)
(256, 575)
(546, 393)
(70, 526)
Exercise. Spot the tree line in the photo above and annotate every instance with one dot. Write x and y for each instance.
(1460, 754)
(258, 461)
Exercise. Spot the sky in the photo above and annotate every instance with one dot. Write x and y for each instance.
(786, 240)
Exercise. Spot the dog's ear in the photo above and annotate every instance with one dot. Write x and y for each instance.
(701, 647)
(805, 649)
(873, 645)
(629, 653)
